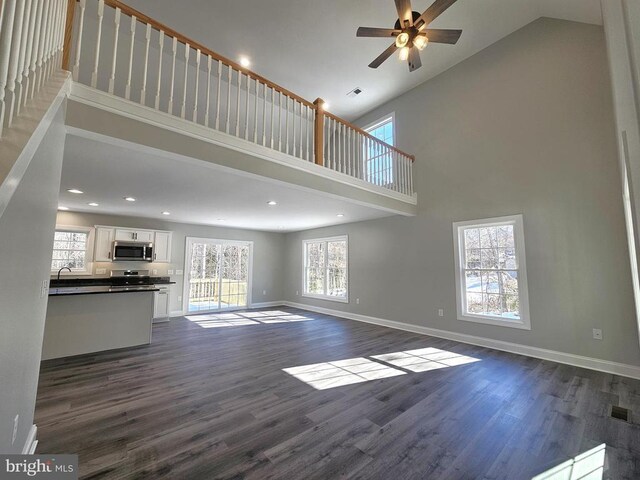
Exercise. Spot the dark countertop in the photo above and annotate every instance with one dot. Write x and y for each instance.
(104, 281)
(95, 289)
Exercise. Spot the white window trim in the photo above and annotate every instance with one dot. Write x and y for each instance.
(89, 251)
(339, 238)
(523, 291)
(384, 119)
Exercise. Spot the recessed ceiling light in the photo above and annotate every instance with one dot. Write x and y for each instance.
(93, 204)
(130, 199)
(281, 227)
(245, 62)
(272, 202)
(63, 208)
(166, 213)
(220, 220)
(75, 190)
(340, 215)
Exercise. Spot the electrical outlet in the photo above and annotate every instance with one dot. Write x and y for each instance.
(15, 429)
(178, 272)
(264, 292)
(441, 312)
(297, 293)
(179, 300)
(357, 301)
(154, 271)
(169, 272)
(101, 271)
(44, 288)
(597, 334)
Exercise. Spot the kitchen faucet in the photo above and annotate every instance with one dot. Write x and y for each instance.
(70, 271)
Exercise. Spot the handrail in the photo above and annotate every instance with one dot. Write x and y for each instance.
(158, 26)
(368, 135)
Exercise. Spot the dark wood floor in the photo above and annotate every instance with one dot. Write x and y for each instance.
(207, 401)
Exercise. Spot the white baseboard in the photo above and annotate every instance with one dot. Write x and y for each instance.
(555, 356)
(31, 443)
(176, 313)
(266, 304)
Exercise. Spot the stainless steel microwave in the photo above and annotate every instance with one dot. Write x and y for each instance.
(132, 252)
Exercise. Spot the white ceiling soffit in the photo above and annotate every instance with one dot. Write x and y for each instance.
(193, 192)
(310, 47)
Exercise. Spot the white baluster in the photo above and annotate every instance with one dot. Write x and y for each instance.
(246, 110)
(195, 101)
(47, 43)
(174, 53)
(264, 114)
(16, 46)
(238, 90)
(286, 125)
(229, 78)
(218, 95)
(132, 29)
(35, 52)
(42, 47)
(29, 51)
(273, 99)
(8, 16)
(293, 136)
(76, 65)
(206, 113)
(183, 108)
(94, 75)
(160, 59)
(57, 14)
(310, 120)
(255, 115)
(279, 121)
(143, 91)
(112, 78)
(25, 48)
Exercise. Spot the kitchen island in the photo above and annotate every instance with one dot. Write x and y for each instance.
(92, 318)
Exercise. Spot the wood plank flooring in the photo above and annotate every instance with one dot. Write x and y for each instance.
(209, 399)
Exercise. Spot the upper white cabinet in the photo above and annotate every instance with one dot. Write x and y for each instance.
(162, 247)
(105, 236)
(131, 235)
(104, 244)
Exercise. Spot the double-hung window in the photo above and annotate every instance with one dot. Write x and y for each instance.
(379, 161)
(491, 277)
(325, 272)
(72, 248)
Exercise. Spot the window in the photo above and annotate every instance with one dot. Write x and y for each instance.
(72, 248)
(325, 268)
(379, 162)
(491, 277)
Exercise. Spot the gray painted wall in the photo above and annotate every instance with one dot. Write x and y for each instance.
(268, 251)
(525, 126)
(26, 240)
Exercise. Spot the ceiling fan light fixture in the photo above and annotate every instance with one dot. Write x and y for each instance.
(420, 42)
(402, 39)
(404, 53)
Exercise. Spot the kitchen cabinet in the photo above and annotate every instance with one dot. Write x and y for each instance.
(162, 247)
(131, 235)
(161, 304)
(104, 244)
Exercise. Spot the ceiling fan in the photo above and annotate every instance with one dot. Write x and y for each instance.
(411, 32)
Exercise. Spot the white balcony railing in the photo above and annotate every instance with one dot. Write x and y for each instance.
(32, 34)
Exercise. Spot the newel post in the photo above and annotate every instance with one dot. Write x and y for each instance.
(318, 132)
(68, 34)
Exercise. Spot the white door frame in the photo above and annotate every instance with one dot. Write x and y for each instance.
(189, 241)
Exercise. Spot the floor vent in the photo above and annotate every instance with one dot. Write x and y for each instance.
(620, 413)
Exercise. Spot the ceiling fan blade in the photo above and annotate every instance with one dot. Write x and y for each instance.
(414, 59)
(433, 12)
(377, 32)
(383, 56)
(437, 35)
(404, 12)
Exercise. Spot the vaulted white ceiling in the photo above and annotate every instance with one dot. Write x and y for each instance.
(310, 47)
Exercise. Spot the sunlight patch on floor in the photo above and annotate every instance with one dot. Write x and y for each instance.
(586, 466)
(237, 319)
(425, 359)
(342, 372)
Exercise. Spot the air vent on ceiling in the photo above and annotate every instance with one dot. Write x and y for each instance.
(354, 93)
(620, 413)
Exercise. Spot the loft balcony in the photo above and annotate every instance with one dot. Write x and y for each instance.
(139, 83)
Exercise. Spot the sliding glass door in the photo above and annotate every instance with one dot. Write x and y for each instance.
(218, 274)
